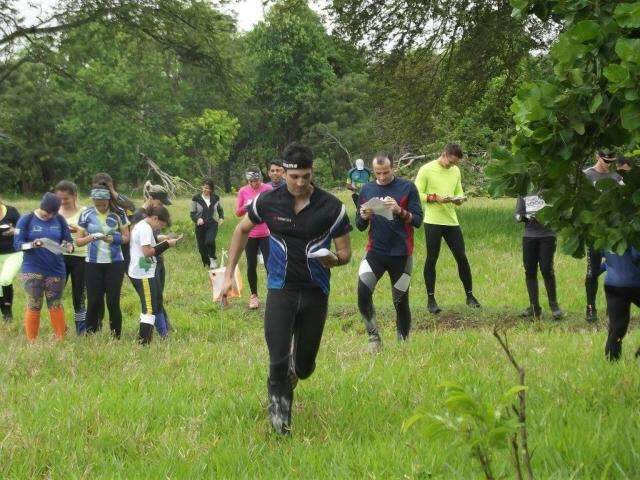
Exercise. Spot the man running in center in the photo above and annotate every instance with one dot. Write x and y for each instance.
(302, 220)
(440, 187)
(390, 246)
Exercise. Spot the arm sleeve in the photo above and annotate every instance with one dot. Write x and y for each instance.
(458, 192)
(254, 210)
(240, 210)
(124, 203)
(21, 235)
(521, 210)
(193, 211)
(341, 226)
(361, 223)
(220, 210)
(422, 184)
(82, 220)
(14, 216)
(66, 233)
(415, 207)
(146, 236)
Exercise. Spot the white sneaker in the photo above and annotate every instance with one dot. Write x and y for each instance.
(213, 263)
(260, 259)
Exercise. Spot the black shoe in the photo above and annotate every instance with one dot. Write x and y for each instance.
(556, 313)
(531, 313)
(591, 314)
(432, 305)
(7, 314)
(375, 344)
(280, 412)
(472, 301)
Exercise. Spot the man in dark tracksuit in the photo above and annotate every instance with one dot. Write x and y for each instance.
(206, 212)
(390, 246)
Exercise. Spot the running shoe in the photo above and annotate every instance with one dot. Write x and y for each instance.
(472, 301)
(254, 302)
(375, 344)
(213, 263)
(280, 409)
(591, 314)
(432, 305)
(556, 312)
(531, 313)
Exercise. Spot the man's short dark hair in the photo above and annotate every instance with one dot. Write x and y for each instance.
(453, 149)
(161, 212)
(296, 156)
(382, 157)
(276, 162)
(209, 183)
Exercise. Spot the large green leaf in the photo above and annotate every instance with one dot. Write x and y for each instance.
(595, 103)
(630, 116)
(628, 15)
(616, 73)
(628, 49)
(585, 31)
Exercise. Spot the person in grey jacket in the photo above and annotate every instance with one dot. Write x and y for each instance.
(538, 248)
(207, 214)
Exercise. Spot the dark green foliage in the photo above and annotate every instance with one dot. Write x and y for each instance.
(590, 102)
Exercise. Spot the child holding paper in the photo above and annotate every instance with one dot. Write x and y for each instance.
(143, 269)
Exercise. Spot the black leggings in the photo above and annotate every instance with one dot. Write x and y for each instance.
(104, 279)
(251, 252)
(372, 268)
(619, 300)
(151, 306)
(539, 251)
(455, 241)
(6, 299)
(594, 269)
(206, 240)
(298, 316)
(75, 270)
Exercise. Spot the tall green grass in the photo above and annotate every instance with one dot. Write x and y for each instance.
(195, 405)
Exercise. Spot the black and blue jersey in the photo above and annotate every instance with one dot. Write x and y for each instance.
(294, 236)
(392, 238)
(623, 270)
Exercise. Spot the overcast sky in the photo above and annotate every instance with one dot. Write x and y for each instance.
(249, 12)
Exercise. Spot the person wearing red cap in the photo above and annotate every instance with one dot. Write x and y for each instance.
(44, 236)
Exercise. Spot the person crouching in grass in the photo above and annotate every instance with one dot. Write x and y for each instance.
(143, 270)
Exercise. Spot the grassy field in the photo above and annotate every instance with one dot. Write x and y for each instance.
(195, 405)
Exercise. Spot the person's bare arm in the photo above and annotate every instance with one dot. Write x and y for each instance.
(236, 247)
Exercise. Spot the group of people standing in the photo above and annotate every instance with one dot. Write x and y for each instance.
(92, 247)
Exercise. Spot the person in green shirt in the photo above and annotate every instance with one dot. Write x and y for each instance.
(356, 178)
(440, 188)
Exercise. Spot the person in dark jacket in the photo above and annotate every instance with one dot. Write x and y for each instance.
(390, 246)
(207, 214)
(10, 259)
(621, 288)
(538, 248)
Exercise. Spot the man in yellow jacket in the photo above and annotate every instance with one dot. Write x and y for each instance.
(440, 189)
